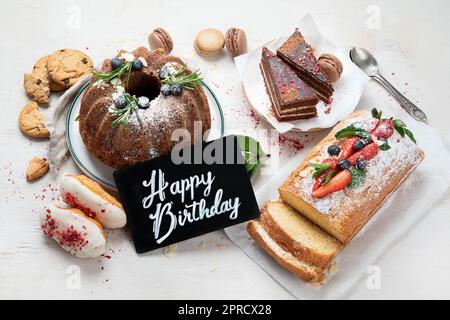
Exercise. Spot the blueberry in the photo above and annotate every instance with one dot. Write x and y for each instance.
(333, 150)
(143, 102)
(361, 164)
(120, 102)
(165, 90)
(137, 64)
(164, 73)
(344, 164)
(175, 89)
(361, 143)
(116, 63)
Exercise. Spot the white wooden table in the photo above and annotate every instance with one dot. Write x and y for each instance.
(413, 49)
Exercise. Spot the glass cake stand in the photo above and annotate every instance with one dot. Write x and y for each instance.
(97, 170)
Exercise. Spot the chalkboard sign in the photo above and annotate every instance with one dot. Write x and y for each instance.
(198, 189)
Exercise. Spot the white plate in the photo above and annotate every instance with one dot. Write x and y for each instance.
(97, 170)
(347, 90)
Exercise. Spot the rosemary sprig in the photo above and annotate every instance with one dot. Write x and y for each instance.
(122, 115)
(189, 81)
(107, 77)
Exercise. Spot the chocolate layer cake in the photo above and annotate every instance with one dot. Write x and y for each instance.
(300, 56)
(290, 96)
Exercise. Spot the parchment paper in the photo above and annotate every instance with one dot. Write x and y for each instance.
(348, 88)
(395, 218)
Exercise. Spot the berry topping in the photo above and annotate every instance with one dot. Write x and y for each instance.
(143, 102)
(343, 164)
(361, 143)
(361, 164)
(333, 150)
(175, 89)
(321, 175)
(137, 64)
(120, 102)
(337, 183)
(164, 73)
(384, 130)
(347, 147)
(366, 153)
(116, 63)
(165, 90)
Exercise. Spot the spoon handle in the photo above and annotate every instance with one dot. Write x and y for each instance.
(410, 107)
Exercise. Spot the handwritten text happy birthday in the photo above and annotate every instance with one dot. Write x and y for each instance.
(194, 210)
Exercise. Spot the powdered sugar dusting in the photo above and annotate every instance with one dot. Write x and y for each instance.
(403, 154)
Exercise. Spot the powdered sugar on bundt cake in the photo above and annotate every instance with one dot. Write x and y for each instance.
(147, 132)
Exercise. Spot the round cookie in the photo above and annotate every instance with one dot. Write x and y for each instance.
(40, 70)
(36, 88)
(31, 121)
(209, 42)
(331, 66)
(236, 42)
(160, 38)
(67, 66)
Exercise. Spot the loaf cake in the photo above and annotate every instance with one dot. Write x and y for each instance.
(367, 159)
(291, 98)
(146, 133)
(299, 55)
(301, 269)
(297, 235)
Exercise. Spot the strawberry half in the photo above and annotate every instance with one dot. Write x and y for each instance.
(337, 183)
(367, 153)
(347, 148)
(321, 177)
(384, 130)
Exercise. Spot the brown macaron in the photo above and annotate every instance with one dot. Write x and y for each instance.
(331, 66)
(236, 42)
(209, 42)
(160, 38)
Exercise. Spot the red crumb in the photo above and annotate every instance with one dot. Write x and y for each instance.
(284, 140)
(74, 202)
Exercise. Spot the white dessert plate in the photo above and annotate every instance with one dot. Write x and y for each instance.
(97, 170)
(347, 90)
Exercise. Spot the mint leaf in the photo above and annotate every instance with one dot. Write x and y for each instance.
(351, 131)
(319, 168)
(329, 176)
(376, 114)
(401, 128)
(410, 135)
(358, 177)
(385, 146)
(251, 152)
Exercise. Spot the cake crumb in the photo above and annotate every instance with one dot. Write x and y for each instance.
(170, 250)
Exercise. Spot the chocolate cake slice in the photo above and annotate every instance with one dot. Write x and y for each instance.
(299, 55)
(290, 96)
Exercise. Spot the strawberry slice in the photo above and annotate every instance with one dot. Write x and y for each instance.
(384, 130)
(321, 177)
(338, 182)
(367, 153)
(347, 148)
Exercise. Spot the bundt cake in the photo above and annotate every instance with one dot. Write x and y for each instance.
(128, 112)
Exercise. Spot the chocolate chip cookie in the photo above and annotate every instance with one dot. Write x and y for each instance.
(40, 69)
(67, 66)
(31, 121)
(37, 88)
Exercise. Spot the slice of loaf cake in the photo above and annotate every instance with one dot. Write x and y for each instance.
(302, 269)
(297, 235)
